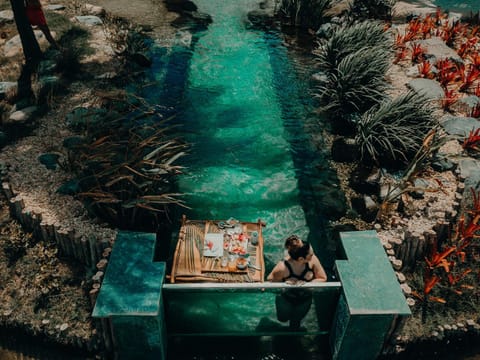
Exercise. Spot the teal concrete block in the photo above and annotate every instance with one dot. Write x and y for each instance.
(138, 338)
(133, 283)
(368, 280)
(371, 298)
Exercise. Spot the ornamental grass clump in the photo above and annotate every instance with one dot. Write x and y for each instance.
(357, 83)
(307, 14)
(391, 133)
(348, 40)
(354, 61)
(127, 167)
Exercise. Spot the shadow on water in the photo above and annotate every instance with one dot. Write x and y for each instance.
(249, 348)
(15, 344)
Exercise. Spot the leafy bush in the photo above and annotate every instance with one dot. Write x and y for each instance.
(347, 40)
(393, 132)
(372, 9)
(357, 83)
(126, 168)
(307, 14)
(74, 43)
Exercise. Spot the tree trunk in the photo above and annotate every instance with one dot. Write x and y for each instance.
(31, 49)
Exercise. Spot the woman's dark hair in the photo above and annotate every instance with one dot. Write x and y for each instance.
(296, 247)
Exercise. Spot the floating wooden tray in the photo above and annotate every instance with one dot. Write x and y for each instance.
(215, 265)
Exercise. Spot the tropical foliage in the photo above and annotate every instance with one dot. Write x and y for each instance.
(307, 14)
(348, 40)
(372, 9)
(354, 60)
(393, 132)
(357, 84)
(125, 165)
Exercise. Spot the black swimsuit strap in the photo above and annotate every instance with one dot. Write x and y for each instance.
(292, 274)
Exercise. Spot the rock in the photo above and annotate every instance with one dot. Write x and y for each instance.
(413, 72)
(345, 150)
(73, 141)
(401, 278)
(70, 187)
(55, 7)
(82, 117)
(459, 125)
(6, 16)
(181, 5)
(6, 87)
(94, 10)
(442, 163)
(365, 180)
(420, 186)
(436, 48)
(141, 59)
(333, 202)
(410, 302)
(24, 115)
(326, 30)
(465, 104)
(431, 89)
(89, 20)
(407, 290)
(50, 160)
(470, 323)
(366, 207)
(261, 17)
(63, 327)
(13, 46)
(46, 86)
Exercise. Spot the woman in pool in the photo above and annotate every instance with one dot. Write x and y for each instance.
(300, 266)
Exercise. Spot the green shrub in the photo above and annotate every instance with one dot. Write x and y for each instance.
(393, 132)
(372, 9)
(357, 83)
(307, 14)
(126, 165)
(347, 40)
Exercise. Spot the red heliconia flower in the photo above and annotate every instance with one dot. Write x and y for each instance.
(451, 97)
(417, 52)
(425, 70)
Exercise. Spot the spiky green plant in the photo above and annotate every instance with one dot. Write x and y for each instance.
(357, 83)
(306, 14)
(127, 170)
(393, 132)
(348, 40)
(372, 9)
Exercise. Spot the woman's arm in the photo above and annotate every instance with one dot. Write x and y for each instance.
(278, 273)
(318, 270)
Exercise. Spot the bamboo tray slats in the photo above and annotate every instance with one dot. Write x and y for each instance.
(190, 266)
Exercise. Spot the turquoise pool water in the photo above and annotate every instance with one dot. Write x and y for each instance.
(463, 6)
(246, 113)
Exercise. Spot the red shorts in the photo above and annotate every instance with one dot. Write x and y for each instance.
(35, 15)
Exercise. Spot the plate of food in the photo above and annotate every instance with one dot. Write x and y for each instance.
(213, 245)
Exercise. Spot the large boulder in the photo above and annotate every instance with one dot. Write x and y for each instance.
(6, 87)
(345, 150)
(458, 125)
(430, 89)
(89, 20)
(6, 16)
(13, 47)
(366, 180)
(436, 49)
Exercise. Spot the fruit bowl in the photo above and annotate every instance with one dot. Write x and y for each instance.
(242, 263)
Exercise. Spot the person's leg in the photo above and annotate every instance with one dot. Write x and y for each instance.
(48, 35)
